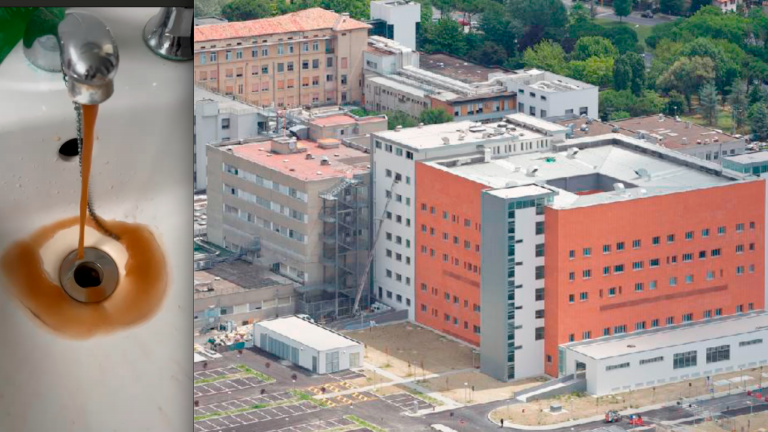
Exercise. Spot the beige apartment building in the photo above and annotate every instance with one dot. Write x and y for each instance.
(310, 57)
(277, 191)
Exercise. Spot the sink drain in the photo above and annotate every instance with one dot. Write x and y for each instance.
(91, 279)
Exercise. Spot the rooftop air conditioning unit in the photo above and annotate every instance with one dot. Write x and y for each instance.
(572, 152)
(325, 161)
(619, 188)
(532, 171)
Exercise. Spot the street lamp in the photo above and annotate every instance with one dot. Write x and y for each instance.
(466, 391)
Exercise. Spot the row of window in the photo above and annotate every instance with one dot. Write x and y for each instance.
(655, 241)
(389, 148)
(265, 183)
(397, 297)
(264, 203)
(264, 51)
(455, 240)
(652, 285)
(454, 218)
(266, 224)
(656, 323)
(467, 265)
(397, 277)
(448, 318)
(453, 299)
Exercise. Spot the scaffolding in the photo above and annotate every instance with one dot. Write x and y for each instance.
(345, 246)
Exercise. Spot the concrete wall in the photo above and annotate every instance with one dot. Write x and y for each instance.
(557, 103)
(255, 304)
(380, 97)
(708, 152)
(602, 382)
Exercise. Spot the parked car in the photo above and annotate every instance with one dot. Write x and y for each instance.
(647, 14)
(612, 416)
(635, 420)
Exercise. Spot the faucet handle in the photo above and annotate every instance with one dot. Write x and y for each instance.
(89, 57)
(169, 33)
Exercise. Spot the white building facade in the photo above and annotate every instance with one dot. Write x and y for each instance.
(402, 15)
(546, 95)
(308, 345)
(668, 355)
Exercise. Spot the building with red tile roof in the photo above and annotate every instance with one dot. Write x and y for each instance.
(306, 58)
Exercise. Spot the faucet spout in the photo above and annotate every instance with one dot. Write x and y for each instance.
(78, 44)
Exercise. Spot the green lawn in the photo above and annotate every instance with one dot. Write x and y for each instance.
(724, 122)
(643, 31)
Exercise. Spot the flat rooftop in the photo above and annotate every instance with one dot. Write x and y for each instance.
(202, 95)
(676, 135)
(433, 136)
(301, 21)
(456, 68)
(588, 177)
(235, 277)
(664, 337)
(307, 333)
(750, 158)
(344, 161)
(549, 82)
(344, 119)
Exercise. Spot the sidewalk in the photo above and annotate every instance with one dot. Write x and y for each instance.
(641, 410)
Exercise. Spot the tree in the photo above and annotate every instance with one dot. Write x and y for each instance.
(622, 8)
(594, 70)
(671, 7)
(357, 9)
(612, 102)
(726, 69)
(739, 103)
(489, 54)
(675, 104)
(756, 95)
(758, 120)
(435, 116)
(399, 118)
(578, 14)
(499, 28)
(637, 64)
(593, 46)
(622, 74)
(541, 19)
(687, 75)
(708, 103)
(546, 55)
(698, 4)
(618, 115)
(445, 36)
(245, 10)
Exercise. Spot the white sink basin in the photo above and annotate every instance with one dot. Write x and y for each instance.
(138, 378)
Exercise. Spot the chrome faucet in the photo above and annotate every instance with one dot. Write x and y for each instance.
(169, 33)
(78, 44)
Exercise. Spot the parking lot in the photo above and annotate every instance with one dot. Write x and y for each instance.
(407, 402)
(225, 386)
(255, 416)
(321, 426)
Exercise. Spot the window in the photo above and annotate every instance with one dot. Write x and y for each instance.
(656, 240)
(618, 268)
(476, 329)
(539, 332)
(653, 263)
(688, 317)
(539, 314)
(571, 337)
(718, 353)
(705, 232)
(710, 275)
(586, 335)
(620, 329)
(651, 360)
(639, 287)
(689, 279)
(718, 312)
(606, 249)
(611, 292)
(620, 246)
(539, 294)
(671, 238)
(739, 308)
(225, 123)
(689, 235)
(607, 331)
(684, 360)
(587, 252)
(716, 252)
(740, 227)
(707, 314)
(571, 298)
(640, 325)
(539, 272)
(654, 323)
(539, 249)
(539, 228)
(687, 257)
(739, 248)
(673, 281)
(606, 270)
(572, 276)
(587, 274)
(750, 342)
(583, 296)
(571, 254)
(721, 230)
(635, 244)
(637, 265)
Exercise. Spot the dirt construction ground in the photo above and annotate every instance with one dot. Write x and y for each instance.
(404, 348)
(582, 406)
(741, 423)
(487, 389)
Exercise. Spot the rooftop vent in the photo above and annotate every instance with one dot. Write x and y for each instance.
(325, 161)
(687, 125)
(309, 156)
(661, 117)
(532, 171)
(461, 136)
(446, 140)
(643, 173)
(421, 125)
(619, 188)
(685, 140)
(716, 139)
(398, 128)
(572, 152)
(615, 129)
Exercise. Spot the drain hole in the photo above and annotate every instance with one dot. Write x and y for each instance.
(69, 149)
(88, 275)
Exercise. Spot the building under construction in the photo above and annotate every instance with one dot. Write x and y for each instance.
(346, 244)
